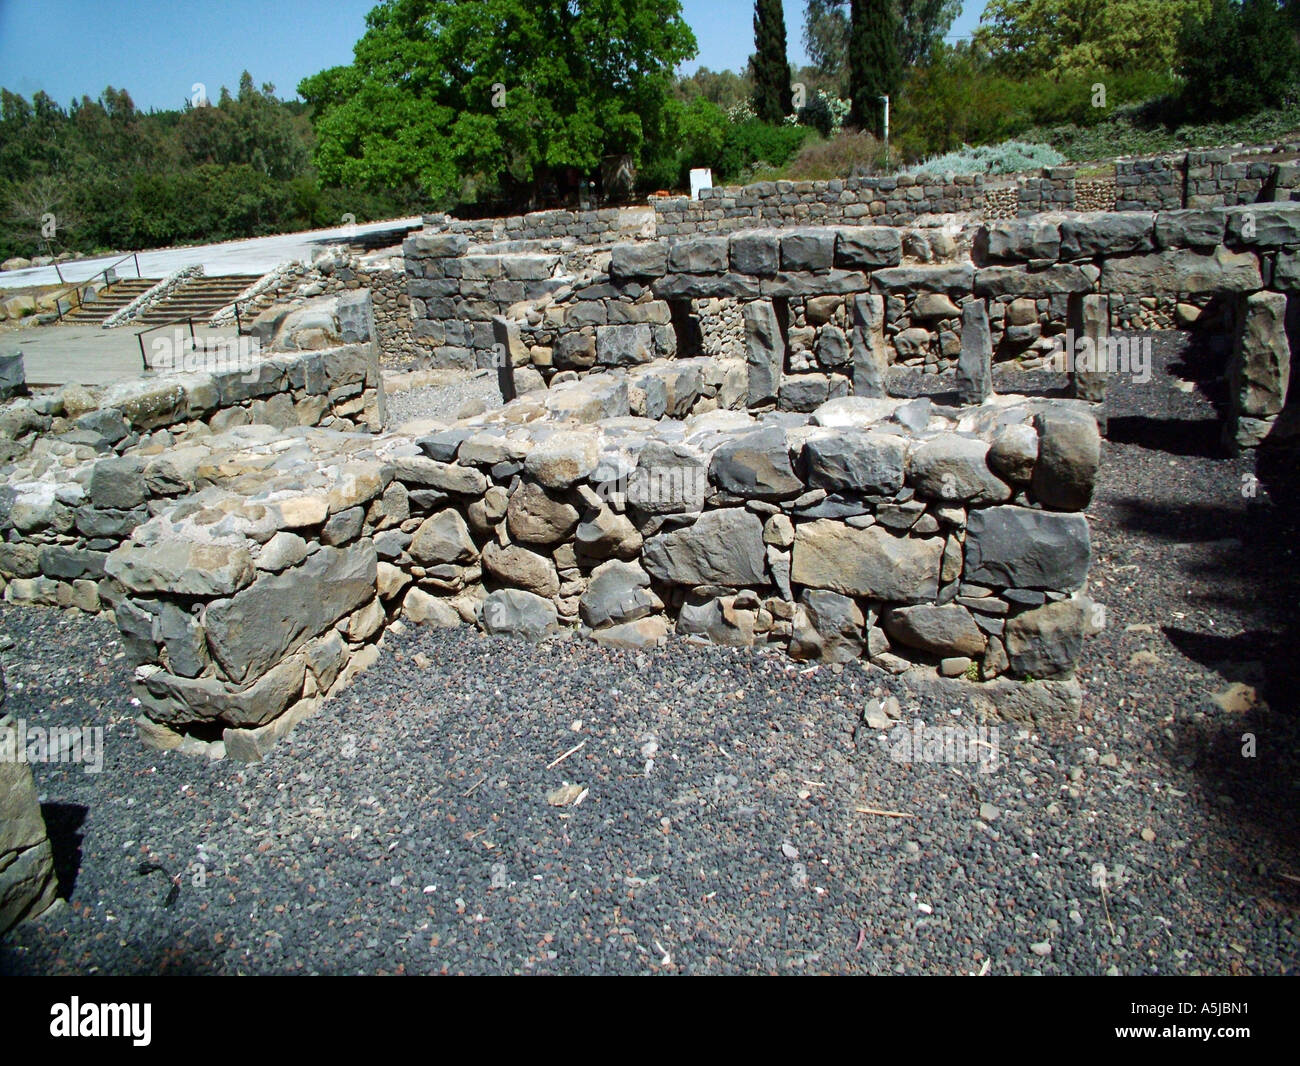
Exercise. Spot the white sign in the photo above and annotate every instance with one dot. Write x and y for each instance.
(701, 178)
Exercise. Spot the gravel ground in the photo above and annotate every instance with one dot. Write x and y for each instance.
(407, 828)
(445, 401)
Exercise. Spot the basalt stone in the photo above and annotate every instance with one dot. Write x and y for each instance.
(756, 466)
(180, 701)
(624, 345)
(702, 255)
(868, 247)
(668, 479)
(344, 526)
(1019, 547)
(1021, 281)
(520, 568)
(832, 347)
(181, 568)
(118, 483)
(955, 469)
(765, 351)
(648, 260)
(755, 253)
(257, 627)
(536, 515)
(618, 592)
(810, 250)
(574, 351)
(563, 459)
(1264, 225)
(1047, 641)
(870, 352)
(1089, 236)
(975, 361)
(1019, 239)
(444, 445)
(723, 547)
(942, 630)
(855, 461)
(70, 564)
(429, 473)
(1193, 228)
(1069, 453)
(872, 563)
(803, 392)
(830, 627)
(912, 279)
(1183, 271)
(1013, 453)
(443, 538)
(1259, 371)
(514, 612)
(607, 533)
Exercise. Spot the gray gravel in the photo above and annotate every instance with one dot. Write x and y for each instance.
(450, 401)
(407, 827)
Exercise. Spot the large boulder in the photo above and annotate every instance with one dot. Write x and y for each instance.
(756, 465)
(514, 612)
(723, 547)
(872, 562)
(943, 630)
(618, 592)
(256, 628)
(1019, 547)
(1069, 452)
(855, 461)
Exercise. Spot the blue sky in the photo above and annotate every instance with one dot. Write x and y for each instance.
(158, 50)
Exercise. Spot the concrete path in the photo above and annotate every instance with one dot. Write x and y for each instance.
(90, 355)
(254, 256)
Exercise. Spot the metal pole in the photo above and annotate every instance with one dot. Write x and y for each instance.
(886, 99)
(136, 257)
(140, 338)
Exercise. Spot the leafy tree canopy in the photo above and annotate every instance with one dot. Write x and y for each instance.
(496, 90)
(1064, 37)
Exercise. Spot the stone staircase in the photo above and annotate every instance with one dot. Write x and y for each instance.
(198, 298)
(113, 298)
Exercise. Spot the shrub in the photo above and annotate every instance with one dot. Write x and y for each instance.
(753, 142)
(1009, 157)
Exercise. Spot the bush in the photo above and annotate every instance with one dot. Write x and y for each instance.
(836, 157)
(750, 143)
(957, 99)
(1009, 157)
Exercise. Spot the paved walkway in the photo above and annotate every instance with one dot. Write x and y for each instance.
(90, 355)
(254, 256)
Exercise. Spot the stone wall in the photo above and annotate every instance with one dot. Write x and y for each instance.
(888, 201)
(263, 564)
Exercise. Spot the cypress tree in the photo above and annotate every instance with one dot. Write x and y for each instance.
(874, 66)
(772, 96)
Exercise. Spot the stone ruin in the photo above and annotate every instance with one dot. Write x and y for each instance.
(746, 480)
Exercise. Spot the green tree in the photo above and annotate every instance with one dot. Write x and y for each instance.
(826, 35)
(922, 25)
(772, 93)
(874, 68)
(452, 95)
(1238, 58)
(1064, 37)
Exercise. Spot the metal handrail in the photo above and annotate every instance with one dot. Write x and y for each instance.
(80, 287)
(161, 325)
